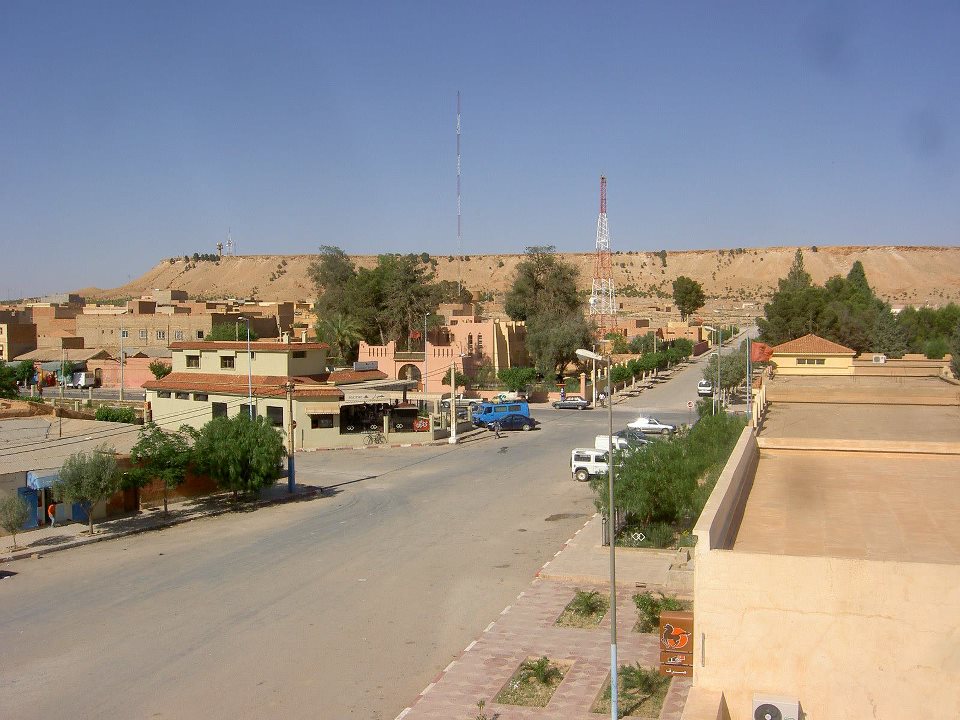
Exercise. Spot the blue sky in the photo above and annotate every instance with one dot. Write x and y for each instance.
(130, 132)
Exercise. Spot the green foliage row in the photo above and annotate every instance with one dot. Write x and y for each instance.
(664, 482)
(116, 414)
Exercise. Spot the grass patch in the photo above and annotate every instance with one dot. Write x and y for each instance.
(640, 693)
(650, 605)
(533, 683)
(646, 535)
(586, 610)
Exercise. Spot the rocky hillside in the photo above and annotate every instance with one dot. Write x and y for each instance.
(902, 275)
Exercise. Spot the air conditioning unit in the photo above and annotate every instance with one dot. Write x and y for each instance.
(775, 707)
(879, 359)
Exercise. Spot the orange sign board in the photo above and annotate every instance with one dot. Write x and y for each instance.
(676, 643)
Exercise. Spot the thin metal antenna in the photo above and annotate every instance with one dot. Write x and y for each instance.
(459, 225)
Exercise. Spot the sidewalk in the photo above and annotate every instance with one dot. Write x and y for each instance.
(526, 629)
(42, 541)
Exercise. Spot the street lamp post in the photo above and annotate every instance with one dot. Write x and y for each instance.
(611, 533)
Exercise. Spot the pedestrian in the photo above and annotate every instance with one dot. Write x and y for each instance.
(496, 428)
(52, 514)
(563, 394)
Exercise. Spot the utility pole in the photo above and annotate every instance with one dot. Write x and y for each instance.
(425, 356)
(292, 425)
(453, 404)
(249, 371)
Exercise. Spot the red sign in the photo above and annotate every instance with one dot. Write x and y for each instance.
(421, 424)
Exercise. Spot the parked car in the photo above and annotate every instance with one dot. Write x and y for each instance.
(632, 436)
(515, 421)
(704, 388)
(461, 402)
(571, 402)
(587, 462)
(651, 425)
(602, 442)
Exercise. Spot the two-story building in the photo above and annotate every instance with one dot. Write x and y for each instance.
(329, 408)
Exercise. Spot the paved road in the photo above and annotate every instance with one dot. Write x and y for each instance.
(341, 607)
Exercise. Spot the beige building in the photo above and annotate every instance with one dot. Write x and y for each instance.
(827, 564)
(16, 338)
(330, 408)
(813, 355)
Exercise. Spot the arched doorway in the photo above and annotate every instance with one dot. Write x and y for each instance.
(409, 372)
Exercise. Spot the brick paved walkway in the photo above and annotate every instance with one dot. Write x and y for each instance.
(526, 629)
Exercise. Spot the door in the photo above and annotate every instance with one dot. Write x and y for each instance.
(29, 496)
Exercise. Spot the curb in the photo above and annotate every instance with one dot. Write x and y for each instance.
(37, 552)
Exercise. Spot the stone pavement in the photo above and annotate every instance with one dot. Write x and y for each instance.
(527, 629)
(48, 539)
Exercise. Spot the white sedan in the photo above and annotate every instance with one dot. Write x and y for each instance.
(651, 425)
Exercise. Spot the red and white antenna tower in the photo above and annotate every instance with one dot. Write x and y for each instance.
(603, 298)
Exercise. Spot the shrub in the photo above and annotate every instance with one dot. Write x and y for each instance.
(586, 602)
(650, 605)
(540, 670)
(116, 414)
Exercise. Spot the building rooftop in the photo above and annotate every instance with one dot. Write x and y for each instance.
(812, 344)
(43, 442)
(256, 345)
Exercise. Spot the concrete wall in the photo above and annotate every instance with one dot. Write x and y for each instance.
(832, 364)
(851, 639)
(718, 523)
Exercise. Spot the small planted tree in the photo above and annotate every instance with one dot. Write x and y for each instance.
(517, 378)
(161, 455)
(160, 369)
(14, 512)
(24, 371)
(88, 478)
(8, 382)
(240, 454)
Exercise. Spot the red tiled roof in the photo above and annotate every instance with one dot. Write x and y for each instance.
(344, 377)
(256, 346)
(812, 345)
(263, 385)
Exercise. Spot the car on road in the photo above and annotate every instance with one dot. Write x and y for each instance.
(571, 402)
(632, 437)
(704, 388)
(651, 425)
(588, 462)
(515, 421)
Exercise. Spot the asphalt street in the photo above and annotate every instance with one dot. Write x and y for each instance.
(345, 606)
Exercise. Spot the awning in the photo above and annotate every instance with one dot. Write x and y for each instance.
(40, 479)
(54, 366)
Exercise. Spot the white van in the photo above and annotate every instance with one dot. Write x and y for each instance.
(602, 442)
(586, 462)
(82, 380)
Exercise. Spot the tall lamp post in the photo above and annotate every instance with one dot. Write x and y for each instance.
(611, 533)
(249, 368)
(716, 387)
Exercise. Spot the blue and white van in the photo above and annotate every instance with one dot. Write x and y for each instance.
(488, 412)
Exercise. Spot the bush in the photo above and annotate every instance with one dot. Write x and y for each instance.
(116, 414)
(650, 605)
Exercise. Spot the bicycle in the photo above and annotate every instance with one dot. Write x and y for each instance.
(374, 437)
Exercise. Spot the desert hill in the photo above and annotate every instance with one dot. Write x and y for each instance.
(901, 275)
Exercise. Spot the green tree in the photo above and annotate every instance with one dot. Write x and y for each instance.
(160, 369)
(642, 343)
(797, 276)
(543, 284)
(553, 340)
(936, 348)
(458, 377)
(240, 454)
(87, 479)
(14, 513)
(517, 378)
(24, 372)
(230, 332)
(688, 295)
(342, 333)
(332, 275)
(8, 382)
(66, 371)
(888, 336)
(484, 375)
(160, 455)
(618, 343)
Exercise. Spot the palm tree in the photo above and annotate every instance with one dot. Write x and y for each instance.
(340, 331)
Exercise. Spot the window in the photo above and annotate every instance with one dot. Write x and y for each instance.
(193, 361)
(178, 334)
(479, 344)
(143, 334)
(275, 415)
(182, 396)
(245, 410)
(299, 353)
(321, 421)
(219, 409)
(811, 361)
(199, 334)
(124, 333)
(161, 334)
(226, 363)
(200, 397)
(470, 344)
(163, 393)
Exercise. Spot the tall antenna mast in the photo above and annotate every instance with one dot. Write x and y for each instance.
(603, 297)
(459, 226)
(229, 243)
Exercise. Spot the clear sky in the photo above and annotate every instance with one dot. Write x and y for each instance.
(134, 131)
